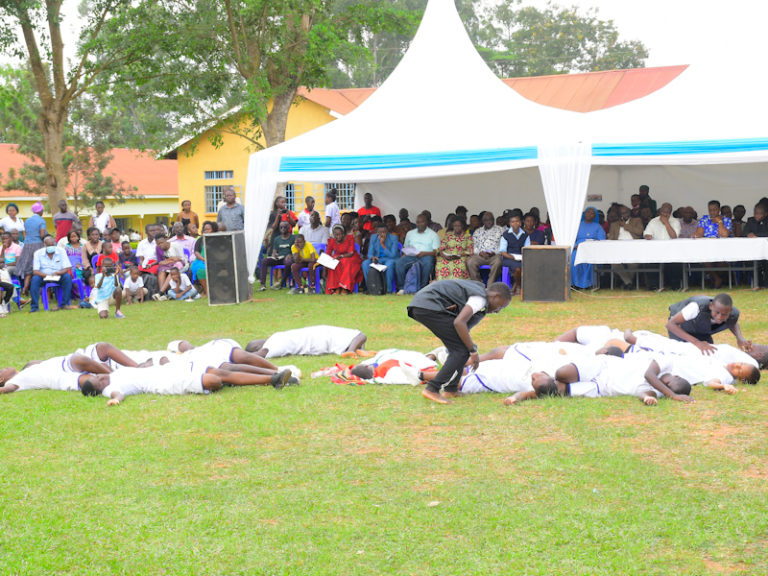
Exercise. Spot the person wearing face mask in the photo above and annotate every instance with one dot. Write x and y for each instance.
(51, 265)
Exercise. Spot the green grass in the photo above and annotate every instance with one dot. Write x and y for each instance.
(327, 479)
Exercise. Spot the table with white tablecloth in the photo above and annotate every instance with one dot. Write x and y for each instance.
(681, 250)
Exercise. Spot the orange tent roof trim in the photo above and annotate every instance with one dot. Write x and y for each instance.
(136, 169)
(583, 92)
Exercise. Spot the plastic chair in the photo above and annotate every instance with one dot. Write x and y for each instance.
(44, 295)
(487, 269)
(9, 304)
(17, 284)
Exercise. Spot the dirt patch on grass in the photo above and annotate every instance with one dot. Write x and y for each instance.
(722, 568)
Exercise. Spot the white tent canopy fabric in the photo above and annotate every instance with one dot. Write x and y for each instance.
(444, 129)
(440, 116)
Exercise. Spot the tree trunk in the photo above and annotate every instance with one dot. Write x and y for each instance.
(277, 118)
(52, 128)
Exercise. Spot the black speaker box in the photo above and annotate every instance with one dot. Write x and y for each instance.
(546, 273)
(226, 268)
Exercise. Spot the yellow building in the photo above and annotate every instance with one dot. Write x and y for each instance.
(204, 169)
(152, 183)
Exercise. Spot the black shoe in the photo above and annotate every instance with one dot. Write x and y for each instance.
(292, 381)
(279, 379)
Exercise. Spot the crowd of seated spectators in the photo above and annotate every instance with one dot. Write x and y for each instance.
(642, 220)
(407, 252)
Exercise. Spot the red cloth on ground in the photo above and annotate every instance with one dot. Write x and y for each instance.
(349, 271)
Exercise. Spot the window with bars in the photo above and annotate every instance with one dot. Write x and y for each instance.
(214, 196)
(294, 196)
(219, 174)
(346, 194)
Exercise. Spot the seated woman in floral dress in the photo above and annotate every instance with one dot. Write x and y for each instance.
(454, 251)
(349, 270)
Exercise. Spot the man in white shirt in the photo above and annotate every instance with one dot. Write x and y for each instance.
(421, 245)
(187, 243)
(314, 232)
(665, 227)
(146, 250)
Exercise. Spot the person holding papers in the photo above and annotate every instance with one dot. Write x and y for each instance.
(420, 246)
(348, 271)
(511, 249)
(383, 250)
(455, 250)
(51, 265)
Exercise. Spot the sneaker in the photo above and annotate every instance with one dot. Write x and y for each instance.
(162, 297)
(400, 292)
(293, 381)
(119, 315)
(197, 296)
(296, 291)
(307, 290)
(189, 299)
(279, 379)
(263, 288)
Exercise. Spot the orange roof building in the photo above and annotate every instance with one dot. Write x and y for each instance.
(153, 185)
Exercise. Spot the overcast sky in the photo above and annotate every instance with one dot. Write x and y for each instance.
(709, 32)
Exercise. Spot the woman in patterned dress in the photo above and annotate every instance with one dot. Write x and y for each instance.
(454, 251)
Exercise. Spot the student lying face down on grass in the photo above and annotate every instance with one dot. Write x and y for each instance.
(390, 366)
(65, 373)
(646, 341)
(178, 377)
(601, 376)
(522, 367)
(227, 354)
(312, 341)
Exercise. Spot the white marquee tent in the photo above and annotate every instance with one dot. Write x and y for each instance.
(443, 129)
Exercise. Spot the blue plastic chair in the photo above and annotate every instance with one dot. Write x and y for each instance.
(44, 295)
(487, 269)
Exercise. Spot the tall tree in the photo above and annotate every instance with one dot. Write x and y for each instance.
(31, 30)
(237, 65)
(85, 155)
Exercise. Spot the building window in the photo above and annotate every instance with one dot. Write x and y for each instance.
(346, 194)
(214, 196)
(294, 196)
(122, 224)
(219, 174)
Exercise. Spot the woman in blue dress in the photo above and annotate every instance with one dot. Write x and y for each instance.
(589, 229)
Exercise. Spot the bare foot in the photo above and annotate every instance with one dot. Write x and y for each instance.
(650, 401)
(349, 354)
(434, 396)
(365, 353)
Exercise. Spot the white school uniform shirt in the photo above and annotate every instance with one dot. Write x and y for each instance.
(725, 353)
(613, 376)
(176, 378)
(595, 337)
(213, 353)
(310, 341)
(52, 374)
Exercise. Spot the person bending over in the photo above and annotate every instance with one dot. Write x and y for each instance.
(697, 318)
(449, 309)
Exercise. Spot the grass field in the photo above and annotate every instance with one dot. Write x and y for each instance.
(328, 479)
